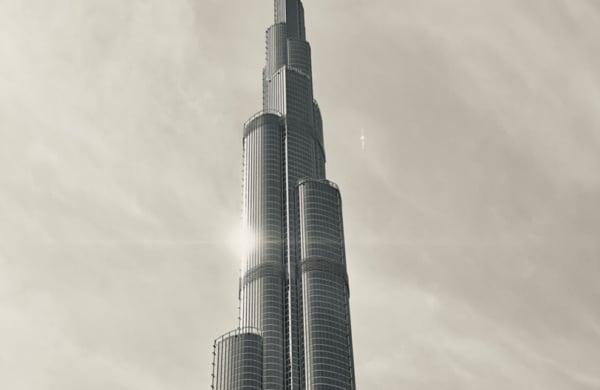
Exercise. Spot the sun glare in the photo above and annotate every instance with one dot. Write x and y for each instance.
(241, 242)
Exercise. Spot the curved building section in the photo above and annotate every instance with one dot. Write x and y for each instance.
(237, 361)
(327, 332)
(277, 48)
(291, 12)
(299, 56)
(275, 94)
(289, 92)
(262, 282)
(299, 101)
(300, 163)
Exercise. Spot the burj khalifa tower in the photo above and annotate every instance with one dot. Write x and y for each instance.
(294, 328)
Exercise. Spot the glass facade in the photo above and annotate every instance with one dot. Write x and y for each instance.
(294, 285)
(327, 332)
(238, 361)
(262, 282)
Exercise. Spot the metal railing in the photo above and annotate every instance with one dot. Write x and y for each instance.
(239, 332)
(322, 181)
(262, 112)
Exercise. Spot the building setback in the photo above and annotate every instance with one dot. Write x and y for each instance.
(294, 331)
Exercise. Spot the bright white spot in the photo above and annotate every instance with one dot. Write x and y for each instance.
(363, 140)
(241, 242)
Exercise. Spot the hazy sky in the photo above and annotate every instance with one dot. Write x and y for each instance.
(472, 216)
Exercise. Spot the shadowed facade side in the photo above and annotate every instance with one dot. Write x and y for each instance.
(294, 285)
(237, 362)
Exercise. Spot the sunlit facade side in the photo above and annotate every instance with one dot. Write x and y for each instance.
(263, 276)
(293, 285)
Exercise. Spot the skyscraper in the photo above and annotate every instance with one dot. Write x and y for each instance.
(294, 330)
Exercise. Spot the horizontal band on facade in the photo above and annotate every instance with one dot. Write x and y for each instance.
(278, 25)
(299, 71)
(309, 181)
(325, 265)
(258, 120)
(262, 118)
(261, 271)
(291, 68)
(249, 331)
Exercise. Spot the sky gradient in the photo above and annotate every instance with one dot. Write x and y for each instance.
(472, 215)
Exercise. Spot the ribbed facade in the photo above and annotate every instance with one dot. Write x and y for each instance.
(238, 361)
(294, 285)
(262, 282)
(327, 334)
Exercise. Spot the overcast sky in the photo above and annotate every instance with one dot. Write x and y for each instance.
(472, 214)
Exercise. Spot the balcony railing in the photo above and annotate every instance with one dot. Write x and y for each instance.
(262, 112)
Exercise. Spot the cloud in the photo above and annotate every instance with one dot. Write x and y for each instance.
(471, 217)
